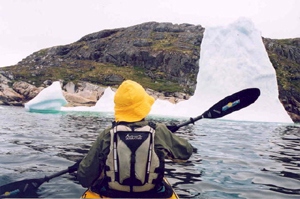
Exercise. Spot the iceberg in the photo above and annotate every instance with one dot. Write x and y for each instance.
(235, 58)
(106, 102)
(50, 99)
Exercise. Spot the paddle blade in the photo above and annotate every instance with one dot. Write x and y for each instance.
(232, 103)
(21, 188)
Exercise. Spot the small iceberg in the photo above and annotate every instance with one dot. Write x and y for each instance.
(50, 99)
(106, 102)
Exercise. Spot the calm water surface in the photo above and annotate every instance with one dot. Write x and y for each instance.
(234, 159)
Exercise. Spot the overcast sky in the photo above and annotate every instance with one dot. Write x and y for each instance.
(27, 26)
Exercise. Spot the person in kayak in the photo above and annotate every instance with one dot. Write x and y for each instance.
(129, 156)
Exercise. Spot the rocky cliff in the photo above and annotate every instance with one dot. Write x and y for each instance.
(163, 57)
(284, 55)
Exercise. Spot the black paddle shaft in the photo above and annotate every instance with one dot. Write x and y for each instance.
(27, 187)
(225, 106)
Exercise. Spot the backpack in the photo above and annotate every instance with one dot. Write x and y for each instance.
(132, 164)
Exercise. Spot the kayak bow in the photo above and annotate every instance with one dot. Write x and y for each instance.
(171, 194)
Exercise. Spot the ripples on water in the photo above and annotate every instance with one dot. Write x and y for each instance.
(234, 159)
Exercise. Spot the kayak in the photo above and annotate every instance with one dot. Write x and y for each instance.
(172, 195)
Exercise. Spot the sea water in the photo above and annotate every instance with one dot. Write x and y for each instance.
(234, 159)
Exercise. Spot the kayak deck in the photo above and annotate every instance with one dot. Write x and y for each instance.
(90, 194)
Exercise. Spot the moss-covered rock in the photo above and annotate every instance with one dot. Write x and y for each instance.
(284, 54)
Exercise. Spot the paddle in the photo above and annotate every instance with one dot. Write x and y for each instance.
(225, 106)
(29, 186)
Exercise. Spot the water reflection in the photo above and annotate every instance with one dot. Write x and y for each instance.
(285, 151)
(186, 176)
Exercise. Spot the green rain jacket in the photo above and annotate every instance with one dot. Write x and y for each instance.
(166, 144)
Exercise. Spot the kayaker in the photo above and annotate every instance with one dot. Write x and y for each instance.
(128, 157)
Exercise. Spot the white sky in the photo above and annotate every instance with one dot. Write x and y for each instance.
(27, 26)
